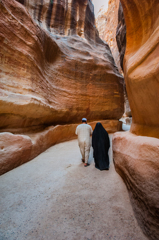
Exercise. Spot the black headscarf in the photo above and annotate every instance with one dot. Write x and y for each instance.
(100, 144)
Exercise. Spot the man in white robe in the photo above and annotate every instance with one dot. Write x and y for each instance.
(84, 131)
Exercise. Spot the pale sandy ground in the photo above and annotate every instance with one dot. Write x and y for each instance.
(55, 197)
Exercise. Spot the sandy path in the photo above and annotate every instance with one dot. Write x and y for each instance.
(54, 197)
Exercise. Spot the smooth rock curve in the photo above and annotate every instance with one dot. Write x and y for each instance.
(141, 64)
(136, 159)
(50, 73)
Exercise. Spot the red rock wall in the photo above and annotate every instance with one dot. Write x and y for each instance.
(141, 65)
(137, 157)
(66, 17)
(112, 29)
(107, 22)
(48, 73)
(137, 162)
(121, 34)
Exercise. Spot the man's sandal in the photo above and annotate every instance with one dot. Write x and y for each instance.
(86, 164)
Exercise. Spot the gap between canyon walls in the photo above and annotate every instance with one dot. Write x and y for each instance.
(55, 70)
(112, 29)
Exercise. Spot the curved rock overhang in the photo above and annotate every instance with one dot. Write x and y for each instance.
(54, 67)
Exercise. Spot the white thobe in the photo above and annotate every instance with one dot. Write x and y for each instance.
(84, 131)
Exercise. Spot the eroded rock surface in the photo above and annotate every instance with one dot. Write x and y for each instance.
(54, 67)
(141, 65)
(112, 29)
(137, 161)
(14, 151)
(137, 157)
(121, 34)
(107, 22)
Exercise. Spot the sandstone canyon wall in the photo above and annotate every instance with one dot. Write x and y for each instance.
(107, 22)
(54, 69)
(112, 29)
(121, 44)
(136, 153)
(141, 65)
(121, 34)
(49, 74)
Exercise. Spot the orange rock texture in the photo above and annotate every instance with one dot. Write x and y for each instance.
(112, 29)
(137, 161)
(141, 65)
(54, 67)
(107, 22)
(121, 34)
(137, 157)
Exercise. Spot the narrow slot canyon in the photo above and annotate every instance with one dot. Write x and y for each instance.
(63, 62)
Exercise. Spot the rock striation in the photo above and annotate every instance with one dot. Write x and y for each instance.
(137, 162)
(112, 29)
(121, 44)
(141, 65)
(136, 153)
(107, 22)
(54, 67)
(121, 34)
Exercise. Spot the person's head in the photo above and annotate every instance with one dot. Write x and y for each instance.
(98, 124)
(84, 120)
(99, 127)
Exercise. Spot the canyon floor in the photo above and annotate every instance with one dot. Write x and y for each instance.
(54, 197)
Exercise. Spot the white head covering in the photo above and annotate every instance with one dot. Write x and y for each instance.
(84, 119)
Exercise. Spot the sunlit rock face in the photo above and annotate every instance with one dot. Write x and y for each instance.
(141, 65)
(137, 162)
(137, 157)
(54, 67)
(112, 29)
(107, 22)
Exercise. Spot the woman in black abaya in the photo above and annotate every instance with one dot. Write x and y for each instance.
(100, 144)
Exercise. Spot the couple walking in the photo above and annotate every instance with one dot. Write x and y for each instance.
(100, 144)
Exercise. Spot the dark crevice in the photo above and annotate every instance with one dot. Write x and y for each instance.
(73, 17)
(49, 14)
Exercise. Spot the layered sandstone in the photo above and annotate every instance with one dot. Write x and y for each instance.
(141, 65)
(137, 157)
(121, 44)
(107, 22)
(54, 67)
(137, 162)
(112, 29)
(121, 34)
